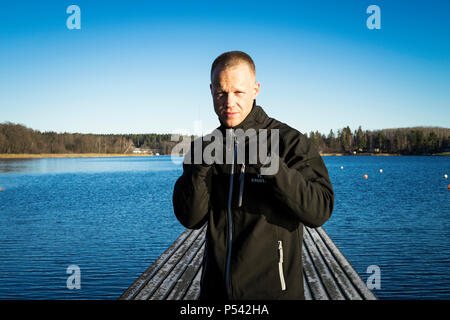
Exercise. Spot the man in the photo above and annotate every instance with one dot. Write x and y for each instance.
(255, 220)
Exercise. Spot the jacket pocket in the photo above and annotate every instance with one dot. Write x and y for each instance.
(280, 265)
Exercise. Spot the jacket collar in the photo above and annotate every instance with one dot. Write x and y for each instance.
(254, 119)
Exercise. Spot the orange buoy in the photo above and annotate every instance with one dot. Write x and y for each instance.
(448, 187)
(366, 176)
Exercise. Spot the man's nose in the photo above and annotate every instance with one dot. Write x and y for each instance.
(230, 100)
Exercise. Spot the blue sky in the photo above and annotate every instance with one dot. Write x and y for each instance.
(143, 66)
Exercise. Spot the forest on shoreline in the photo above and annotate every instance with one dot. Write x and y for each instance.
(19, 139)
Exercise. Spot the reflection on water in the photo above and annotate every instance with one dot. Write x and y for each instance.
(84, 164)
(13, 165)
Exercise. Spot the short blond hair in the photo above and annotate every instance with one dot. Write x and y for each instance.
(231, 59)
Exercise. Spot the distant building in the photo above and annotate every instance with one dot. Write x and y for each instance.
(141, 150)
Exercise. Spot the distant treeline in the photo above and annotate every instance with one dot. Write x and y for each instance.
(16, 138)
(406, 141)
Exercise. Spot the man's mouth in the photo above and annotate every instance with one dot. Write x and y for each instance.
(231, 114)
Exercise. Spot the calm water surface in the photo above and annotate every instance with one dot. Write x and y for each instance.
(113, 217)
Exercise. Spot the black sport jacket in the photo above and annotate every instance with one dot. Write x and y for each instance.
(255, 222)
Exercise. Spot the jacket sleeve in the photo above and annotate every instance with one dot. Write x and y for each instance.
(191, 195)
(302, 184)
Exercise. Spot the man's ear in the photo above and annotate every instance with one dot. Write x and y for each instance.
(256, 89)
(211, 89)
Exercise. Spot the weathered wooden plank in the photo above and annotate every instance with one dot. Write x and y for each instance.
(349, 270)
(323, 272)
(193, 292)
(306, 288)
(342, 280)
(162, 272)
(186, 279)
(140, 282)
(170, 280)
(316, 287)
(327, 274)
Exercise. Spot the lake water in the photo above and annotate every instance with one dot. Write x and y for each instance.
(113, 217)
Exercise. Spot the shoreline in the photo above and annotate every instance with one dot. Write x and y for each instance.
(361, 154)
(69, 155)
(105, 155)
(441, 154)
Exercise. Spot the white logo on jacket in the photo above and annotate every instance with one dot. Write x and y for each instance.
(258, 179)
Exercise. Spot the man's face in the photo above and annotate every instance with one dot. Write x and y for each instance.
(233, 90)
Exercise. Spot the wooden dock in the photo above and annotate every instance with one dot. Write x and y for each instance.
(176, 274)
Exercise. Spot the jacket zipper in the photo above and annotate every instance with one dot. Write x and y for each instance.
(241, 184)
(280, 265)
(230, 220)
